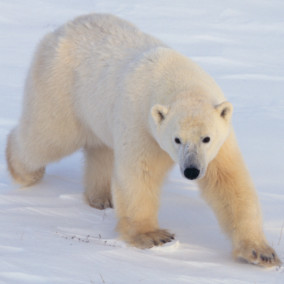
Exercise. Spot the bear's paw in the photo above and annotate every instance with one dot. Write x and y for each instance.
(150, 239)
(100, 203)
(262, 255)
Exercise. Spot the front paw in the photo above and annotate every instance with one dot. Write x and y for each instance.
(259, 254)
(157, 237)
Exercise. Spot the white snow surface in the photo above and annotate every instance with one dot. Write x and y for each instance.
(50, 235)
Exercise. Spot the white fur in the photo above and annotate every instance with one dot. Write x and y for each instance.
(100, 84)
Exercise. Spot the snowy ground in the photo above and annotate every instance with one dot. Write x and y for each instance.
(49, 235)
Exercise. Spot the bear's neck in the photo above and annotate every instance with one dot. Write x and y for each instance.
(175, 77)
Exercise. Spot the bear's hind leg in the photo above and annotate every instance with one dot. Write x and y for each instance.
(23, 172)
(30, 147)
(99, 166)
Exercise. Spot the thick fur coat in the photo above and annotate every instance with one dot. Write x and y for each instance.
(135, 106)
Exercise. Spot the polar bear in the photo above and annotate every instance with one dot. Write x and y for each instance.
(136, 107)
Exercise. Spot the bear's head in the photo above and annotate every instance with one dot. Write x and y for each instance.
(192, 136)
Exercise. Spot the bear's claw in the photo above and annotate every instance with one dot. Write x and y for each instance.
(151, 239)
(262, 255)
(100, 204)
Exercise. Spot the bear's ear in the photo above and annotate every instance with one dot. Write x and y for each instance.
(225, 110)
(159, 113)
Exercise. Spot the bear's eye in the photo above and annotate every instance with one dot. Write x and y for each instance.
(206, 140)
(177, 140)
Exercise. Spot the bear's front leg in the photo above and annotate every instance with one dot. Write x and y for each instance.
(138, 175)
(227, 187)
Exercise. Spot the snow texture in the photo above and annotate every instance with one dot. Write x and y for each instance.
(49, 234)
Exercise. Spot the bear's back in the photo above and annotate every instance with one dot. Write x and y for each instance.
(107, 35)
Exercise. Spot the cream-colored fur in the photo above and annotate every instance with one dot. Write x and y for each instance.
(136, 107)
(229, 190)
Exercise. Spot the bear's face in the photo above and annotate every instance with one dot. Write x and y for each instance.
(192, 137)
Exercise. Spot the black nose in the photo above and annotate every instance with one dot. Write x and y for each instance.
(191, 173)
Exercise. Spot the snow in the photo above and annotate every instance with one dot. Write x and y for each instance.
(48, 233)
